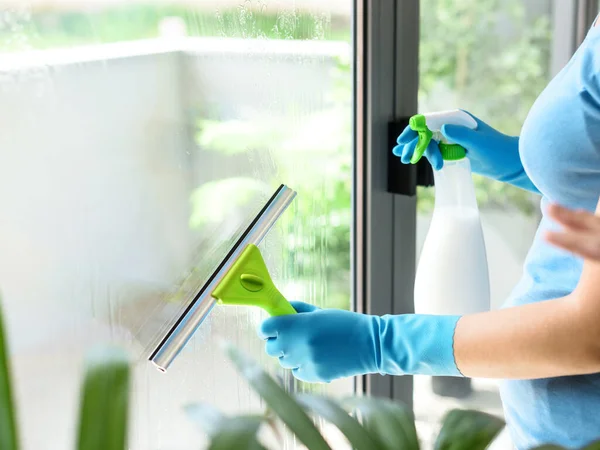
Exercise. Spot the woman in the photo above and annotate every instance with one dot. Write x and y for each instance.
(545, 342)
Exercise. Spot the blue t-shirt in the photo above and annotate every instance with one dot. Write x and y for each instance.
(560, 151)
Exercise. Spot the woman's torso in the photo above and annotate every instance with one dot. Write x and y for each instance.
(560, 150)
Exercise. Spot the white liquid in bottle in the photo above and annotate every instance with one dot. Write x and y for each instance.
(452, 276)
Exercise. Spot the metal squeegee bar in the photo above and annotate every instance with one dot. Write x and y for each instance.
(199, 308)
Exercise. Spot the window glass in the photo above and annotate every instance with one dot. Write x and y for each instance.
(139, 139)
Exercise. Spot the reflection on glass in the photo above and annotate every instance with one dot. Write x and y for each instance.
(492, 59)
(138, 141)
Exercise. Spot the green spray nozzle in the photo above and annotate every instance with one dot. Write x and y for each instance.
(450, 152)
(418, 123)
(248, 283)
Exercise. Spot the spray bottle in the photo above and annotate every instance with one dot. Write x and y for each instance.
(452, 275)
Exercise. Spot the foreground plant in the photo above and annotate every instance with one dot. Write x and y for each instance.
(367, 423)
(103, 406)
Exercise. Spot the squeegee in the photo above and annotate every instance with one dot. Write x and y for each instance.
(242, 278)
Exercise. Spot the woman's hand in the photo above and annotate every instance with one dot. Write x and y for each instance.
(492, 154)
(580, 233)
(321, 345)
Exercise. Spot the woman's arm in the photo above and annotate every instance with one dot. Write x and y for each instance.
(546, 339)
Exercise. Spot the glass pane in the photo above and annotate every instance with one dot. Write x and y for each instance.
(491, 59)
(138, 142)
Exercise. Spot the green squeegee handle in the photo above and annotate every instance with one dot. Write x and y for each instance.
(248, 283)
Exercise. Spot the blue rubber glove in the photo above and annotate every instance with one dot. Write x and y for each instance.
(321, 345)
(491, 153)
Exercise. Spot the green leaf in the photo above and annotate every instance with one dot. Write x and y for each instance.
(105, 401)
(8, 423)
(359, 437)
(593, 446)
(468, 429)
(280, 402)
(391, 423)
(239, 433)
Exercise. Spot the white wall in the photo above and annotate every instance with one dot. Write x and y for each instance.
(92, 169)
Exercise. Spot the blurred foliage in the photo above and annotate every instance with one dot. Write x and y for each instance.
(368, 423)
(103, 401)
(494, 65)
(23, 27)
